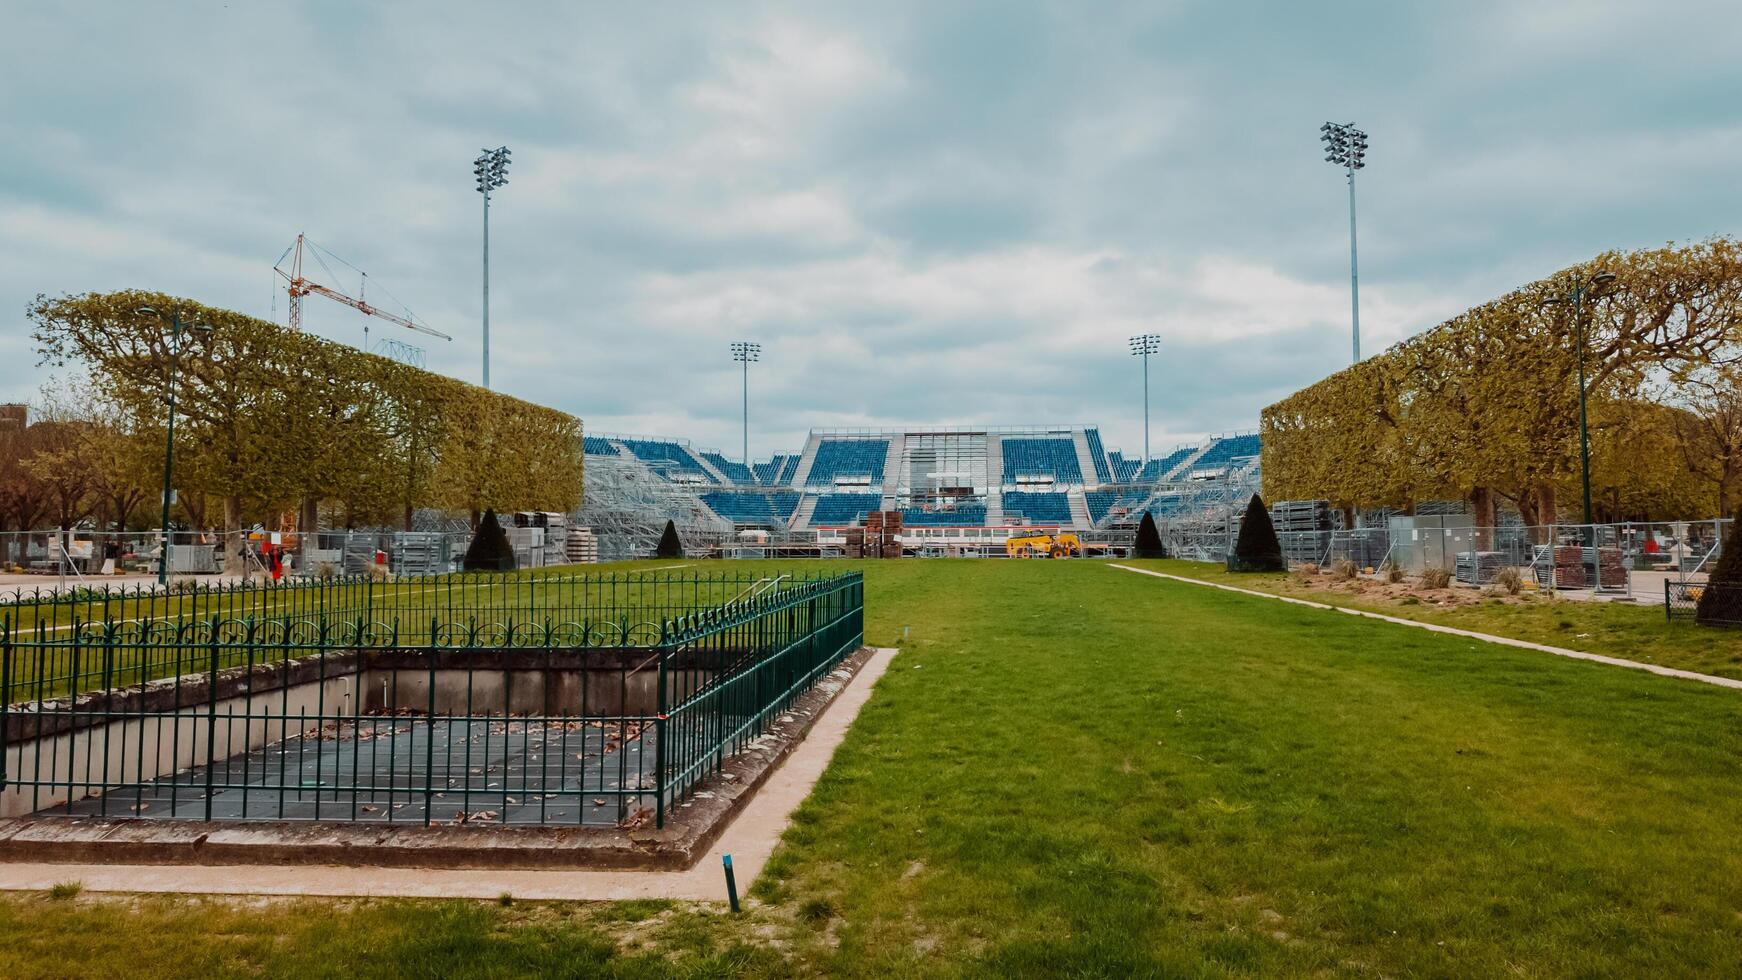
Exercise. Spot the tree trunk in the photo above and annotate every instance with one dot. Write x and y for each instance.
(233, 564)
(1482, 502)
(1547, 513)
(309, 518)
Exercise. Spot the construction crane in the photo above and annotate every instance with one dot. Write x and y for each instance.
(300, 286)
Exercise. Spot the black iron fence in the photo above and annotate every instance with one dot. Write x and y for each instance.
(564, 700)
(1709, 603)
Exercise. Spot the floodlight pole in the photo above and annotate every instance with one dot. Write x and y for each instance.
(491, 170)
(1354, 277)
(1346, 147)
(1142, 346)
(744, 352)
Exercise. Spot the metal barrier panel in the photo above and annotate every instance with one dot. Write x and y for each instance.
(1707, 603)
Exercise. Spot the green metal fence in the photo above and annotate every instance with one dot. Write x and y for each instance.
(482, 699)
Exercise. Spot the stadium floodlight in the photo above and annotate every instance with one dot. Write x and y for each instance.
(1575, 297)
(1346, 147)
(491, 172)
(175, 337)
(744, 352)
(1142, 346)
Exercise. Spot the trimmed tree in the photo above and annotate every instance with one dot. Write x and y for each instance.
(1148, 544)
(1257, 549)
(489, 550)
(1721, 600)
(669, 545)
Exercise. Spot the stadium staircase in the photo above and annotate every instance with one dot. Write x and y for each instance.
(806, 457)
(806, 507)
(712, 471)
(1085, 459)
(892, 471)
(1079, 510)
(1185, 465)
(994, 506)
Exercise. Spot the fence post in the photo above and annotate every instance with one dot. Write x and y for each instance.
(1668, 616)
(659, 732)
(211, 717)
(5, 693)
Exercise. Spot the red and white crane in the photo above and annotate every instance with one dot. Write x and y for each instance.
(300, 285)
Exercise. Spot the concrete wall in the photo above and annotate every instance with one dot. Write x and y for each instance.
(141, 748)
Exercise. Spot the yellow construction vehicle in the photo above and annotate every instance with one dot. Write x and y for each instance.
(1044, 545)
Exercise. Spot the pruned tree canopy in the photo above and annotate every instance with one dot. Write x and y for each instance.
(1489, 399)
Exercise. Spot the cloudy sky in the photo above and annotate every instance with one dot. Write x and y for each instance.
(947, 213)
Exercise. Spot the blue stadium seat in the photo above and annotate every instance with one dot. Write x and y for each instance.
(1229, 452)
(1124, 470)
(1054, 457)
(1039, 508)
(757, 507)
(844, 508)
(1156, 469)
(768, 473)
(596, 446)
(848, 458)
(1098, 455)
(1100, 502)
(734, 471)
(965, 515)
(668, 458)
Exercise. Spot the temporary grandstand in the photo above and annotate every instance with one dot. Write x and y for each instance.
(959, 490)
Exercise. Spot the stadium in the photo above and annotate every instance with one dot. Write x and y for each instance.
(959, 492)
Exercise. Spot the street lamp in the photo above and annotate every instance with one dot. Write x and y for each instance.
(744, 352)
(1142, 346)
(491, 171)
(1346, 147)
(1576, 298)
(175, 328)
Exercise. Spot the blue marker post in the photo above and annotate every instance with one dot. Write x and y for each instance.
(731, 884)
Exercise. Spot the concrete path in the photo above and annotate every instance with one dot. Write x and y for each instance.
(750, 840)
(1452, 631)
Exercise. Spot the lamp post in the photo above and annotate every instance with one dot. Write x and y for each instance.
(491, 171)
(175, 328)
(1142, 346)
(1576, 298)
(744, 352)
(1346, 147)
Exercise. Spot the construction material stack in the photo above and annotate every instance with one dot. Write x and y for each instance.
(1479, 567)
(1304, 527)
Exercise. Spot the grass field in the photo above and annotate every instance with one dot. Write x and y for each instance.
(1631, 631)
(1074, 770)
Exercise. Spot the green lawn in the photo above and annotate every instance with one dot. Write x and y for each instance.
(1631, 631)
(1076, 770)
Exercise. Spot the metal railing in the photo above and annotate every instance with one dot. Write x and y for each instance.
(586, 700)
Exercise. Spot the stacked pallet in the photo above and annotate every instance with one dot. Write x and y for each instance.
(582, 546)
(420, 553)
(883, 534)
(1611, 572)
(1304, 527)
(1569, 567)
(1479, 567)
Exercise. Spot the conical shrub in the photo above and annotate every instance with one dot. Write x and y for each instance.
(1148, 543)
(1721, 600)
(669, 545)
(1257, 549)
(489, 550)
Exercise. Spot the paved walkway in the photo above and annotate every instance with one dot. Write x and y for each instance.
(750, 840)
(1687, 675)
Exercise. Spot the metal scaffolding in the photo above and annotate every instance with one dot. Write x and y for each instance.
(627, 504)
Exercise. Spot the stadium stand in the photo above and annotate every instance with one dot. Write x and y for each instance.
(1226, 452)
(844, 508)
(969, 515)
(788, 471)
(1155, 469)
(1100, 502)
(768, 473)
(753, 506)
(1056, 458)
(1124, 470)
(1098, 454)
(838, 458)
(734, 471)
(596, 446)
(1039, 508)
(668, 458)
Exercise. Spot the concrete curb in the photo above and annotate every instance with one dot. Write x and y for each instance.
(1686, 675)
